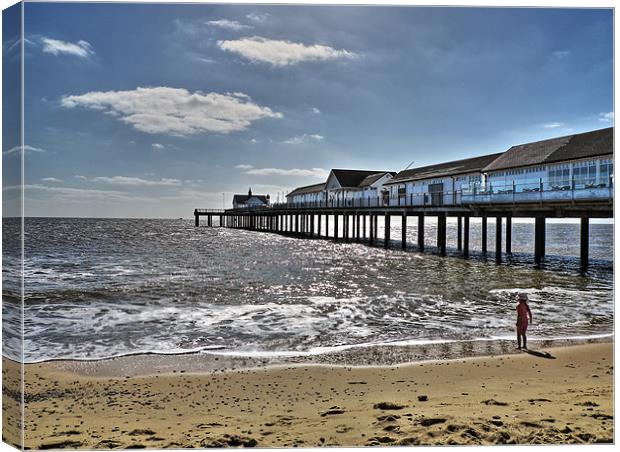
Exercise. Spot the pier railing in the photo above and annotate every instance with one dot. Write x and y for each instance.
(209, 211)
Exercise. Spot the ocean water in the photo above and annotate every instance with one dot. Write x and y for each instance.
(97, 288)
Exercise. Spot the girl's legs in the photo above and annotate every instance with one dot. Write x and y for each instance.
(518, 340)
(524, 341)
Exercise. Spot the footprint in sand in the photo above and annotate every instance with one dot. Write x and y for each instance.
(388, 406)
(494, 402)
(428, 421)
(332, 411)
(61, 445)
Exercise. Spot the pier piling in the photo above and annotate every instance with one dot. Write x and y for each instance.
(327, 225)
(539, 240)
(371, 237)
(498, 239)
(441, 233)
(584, 242)
(466, 237)
(404, 232)
(508, 234)
(421, 232)
(459, 233)
(335, 226)
(484, 235)
(387, 231)
(376, 227)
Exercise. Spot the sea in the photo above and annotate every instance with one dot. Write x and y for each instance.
(101, 288)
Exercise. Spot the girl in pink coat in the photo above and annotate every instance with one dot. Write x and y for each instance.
(523, 312)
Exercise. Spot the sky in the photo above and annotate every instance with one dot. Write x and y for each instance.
(154, 110)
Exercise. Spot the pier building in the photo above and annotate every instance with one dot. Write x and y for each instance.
(440, 184)
(250, 201)
(307, 195)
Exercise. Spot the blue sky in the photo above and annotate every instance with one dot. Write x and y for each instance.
(153, 110)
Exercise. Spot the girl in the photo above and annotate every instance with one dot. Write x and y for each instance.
(523, 312)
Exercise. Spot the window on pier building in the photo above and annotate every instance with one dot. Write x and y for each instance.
(584, 173)
(559, 176)
(606, 172)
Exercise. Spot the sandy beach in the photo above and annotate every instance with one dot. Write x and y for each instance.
(564, 395)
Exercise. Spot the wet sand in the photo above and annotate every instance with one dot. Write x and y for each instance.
(563, 397)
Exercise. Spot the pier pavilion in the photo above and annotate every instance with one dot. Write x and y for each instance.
(574, 180)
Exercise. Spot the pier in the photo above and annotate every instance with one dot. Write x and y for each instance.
(360, 224)
(563, 177)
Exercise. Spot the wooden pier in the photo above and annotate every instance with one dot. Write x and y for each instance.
(361, 224)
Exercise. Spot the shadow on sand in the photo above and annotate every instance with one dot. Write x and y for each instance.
(546, 355)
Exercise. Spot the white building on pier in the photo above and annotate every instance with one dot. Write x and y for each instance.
(573, 162)
(568, 168)
(344, 188)
(440, 184)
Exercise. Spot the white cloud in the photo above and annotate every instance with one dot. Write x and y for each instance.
(281, 53)
(175, 111)
(315, 110)
(244, 167)
(158, 146)
(136, 181)
(229, 24)
(311, 172)
(27, 149)
(253, 141)
(553, 125)
(300, 139)
(259, 18)
(84, 194)
(51, 179)
(606, 117)
(81, 49)
(80, 177)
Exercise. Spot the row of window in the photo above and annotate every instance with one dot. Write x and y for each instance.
(530, 170)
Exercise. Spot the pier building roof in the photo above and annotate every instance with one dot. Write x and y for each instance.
(315, 188)
(369, 180)
(244, 198)
(453, 168)
(348, 178)
(571, 147)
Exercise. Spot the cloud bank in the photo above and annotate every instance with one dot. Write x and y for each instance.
(56, 47)
(136, 181)
(175, 111)
(305, 138)
(281, 53)
(26, 148)
(228, 24)
(311, 172)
